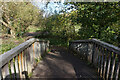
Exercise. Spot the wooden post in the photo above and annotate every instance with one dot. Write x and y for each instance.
(22, 64)
(5, 71)
(90, 52)
(93, 52)
(108, 68)
(12, 69)
(117, 68)
(17, 68)
(105, 63)
(20, 67)
(113, 66)
(99, 60)
(102, 62)
(1, 74)
(87, 51)
(38, 49)
(28, 59)
(25, 63)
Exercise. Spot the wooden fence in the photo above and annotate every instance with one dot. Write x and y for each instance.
(104, 56)
(20, 61)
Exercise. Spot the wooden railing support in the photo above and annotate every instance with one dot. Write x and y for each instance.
(19, 61)
(105, 57)
(0, 74)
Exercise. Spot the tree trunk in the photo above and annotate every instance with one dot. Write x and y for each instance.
(13, 33)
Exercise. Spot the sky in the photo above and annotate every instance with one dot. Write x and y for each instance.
(52, 7)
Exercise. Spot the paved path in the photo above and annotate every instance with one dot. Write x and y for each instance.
(61, 64)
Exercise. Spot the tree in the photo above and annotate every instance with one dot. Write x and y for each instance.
(18, 16)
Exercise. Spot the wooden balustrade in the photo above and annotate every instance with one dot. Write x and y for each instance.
(104, 56)
(19, 61)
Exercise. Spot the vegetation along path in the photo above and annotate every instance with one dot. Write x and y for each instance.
(59, 63)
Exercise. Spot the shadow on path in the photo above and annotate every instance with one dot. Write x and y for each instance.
(61, 64)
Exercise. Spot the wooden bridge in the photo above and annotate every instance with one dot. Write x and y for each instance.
(84, 59)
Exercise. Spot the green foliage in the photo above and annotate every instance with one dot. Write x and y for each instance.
(89, 20)
(18, 16)
(97, 21)
(8, 44)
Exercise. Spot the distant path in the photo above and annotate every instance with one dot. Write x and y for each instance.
(61, 64)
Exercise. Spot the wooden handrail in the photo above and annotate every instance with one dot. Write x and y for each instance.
(104, 56)
(20, 55)
(101, 43)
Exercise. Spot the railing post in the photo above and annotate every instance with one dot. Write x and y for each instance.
(12, 68)
(108, 66)
(5, 71)
(117, 69)
(17, 67)
(87, 51)
(113, 66)
(93, 52)
(0, 74)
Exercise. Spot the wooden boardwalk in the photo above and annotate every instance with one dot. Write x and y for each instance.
(61, 64)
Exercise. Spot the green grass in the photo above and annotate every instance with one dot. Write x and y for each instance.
(8, 44)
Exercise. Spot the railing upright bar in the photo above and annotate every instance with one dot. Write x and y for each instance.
(113, 66)
(12, 69)
(105, 63)
(99, 61)
(102, 62)
(20, 65)
(93, 52)
(108, 66)
(102, 53)
(17, 67)
(29, 60)
(5, 71)
(117, 69)
(1, 74)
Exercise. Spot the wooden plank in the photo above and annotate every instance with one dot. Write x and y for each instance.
(96, 55)
(12, 69)
(117, 69)
(47, 45)
(107, 46)
(20, 67)
(37, 49)
(1, 77)
(105, 63)
(5, 71)
(29, 59)
(113, 66)
(22, 64)
(25, 62)
(6, 57)
(99, 60)
(17, 67)
(25, 72)
(102, 62)
(90, 52)
(108, 66)
(32, 56)
(101, 43)
(33, 47)
(93, 52)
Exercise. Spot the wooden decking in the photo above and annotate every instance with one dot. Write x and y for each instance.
(60, 63)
